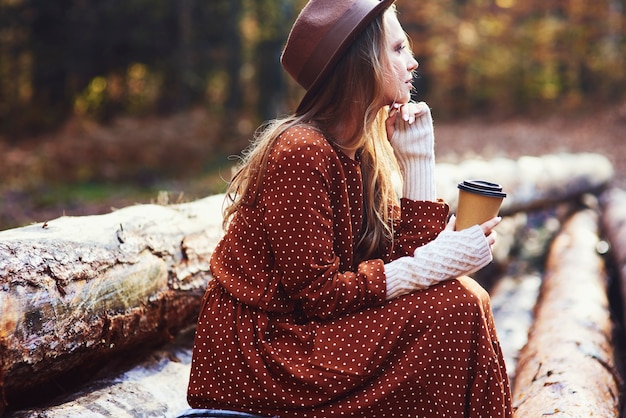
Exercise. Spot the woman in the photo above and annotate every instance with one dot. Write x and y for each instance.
(333, 297)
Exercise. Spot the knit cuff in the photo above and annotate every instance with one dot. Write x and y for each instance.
(455, 253)
(419, 179)
(415, 139)
(450, 255)
(414, 148)
(396, 282)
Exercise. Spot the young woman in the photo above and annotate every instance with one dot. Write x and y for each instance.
(332, 295)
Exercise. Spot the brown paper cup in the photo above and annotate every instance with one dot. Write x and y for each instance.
(478, 202)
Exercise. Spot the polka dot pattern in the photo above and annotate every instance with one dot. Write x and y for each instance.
(294, 326)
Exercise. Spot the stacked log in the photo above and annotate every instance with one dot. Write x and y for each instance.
(567, 366)
(155, 387)
(531, 182)
(516, 290)
(614, 226)
(76, 290)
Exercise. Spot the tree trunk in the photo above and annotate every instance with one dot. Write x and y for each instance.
(614, 226)
(530, 182)
(567, 365)
(233, 39)
(73, 290)
(156, 387)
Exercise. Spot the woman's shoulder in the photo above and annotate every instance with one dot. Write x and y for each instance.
(303, 137)
(303, 134)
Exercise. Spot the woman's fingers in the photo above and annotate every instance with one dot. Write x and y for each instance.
(492, 237)
(412, 111)
(487, 226)
(408, 112)
(390, 123)
(451, 223)
(488, 230)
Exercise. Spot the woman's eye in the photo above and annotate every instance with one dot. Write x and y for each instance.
(400, 47)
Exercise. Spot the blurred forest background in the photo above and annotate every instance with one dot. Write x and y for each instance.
(111, 101)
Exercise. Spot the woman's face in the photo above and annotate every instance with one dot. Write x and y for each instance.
(400, 63)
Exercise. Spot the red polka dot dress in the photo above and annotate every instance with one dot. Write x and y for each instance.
(293, 326)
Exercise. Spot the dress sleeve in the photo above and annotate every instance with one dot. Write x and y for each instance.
(420, 223)
(301, 227)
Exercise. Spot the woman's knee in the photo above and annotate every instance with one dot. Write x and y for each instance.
(474, 289)
(471, 296)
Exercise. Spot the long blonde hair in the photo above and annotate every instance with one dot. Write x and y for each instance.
(353, 91)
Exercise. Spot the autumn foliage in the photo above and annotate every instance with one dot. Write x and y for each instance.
(94, 59)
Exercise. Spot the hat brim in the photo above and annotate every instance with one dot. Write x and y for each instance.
(339, 51)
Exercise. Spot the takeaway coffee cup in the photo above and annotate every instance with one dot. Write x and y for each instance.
(479, 201)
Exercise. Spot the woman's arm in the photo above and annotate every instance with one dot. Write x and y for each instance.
(410, 132)
(303, 230)
(451, 254)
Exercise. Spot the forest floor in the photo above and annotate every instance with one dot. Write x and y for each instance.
(86, 169)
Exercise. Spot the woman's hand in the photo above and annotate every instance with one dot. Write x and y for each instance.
(408, 112)
(489, 231)
(488, 228)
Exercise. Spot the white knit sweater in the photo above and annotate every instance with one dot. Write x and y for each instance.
(452, 253)
(414, 147)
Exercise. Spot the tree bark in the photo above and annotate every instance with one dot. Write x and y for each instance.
(530, 182)
(566, 368)
(614, 226)
(156, 387)
(76, 289)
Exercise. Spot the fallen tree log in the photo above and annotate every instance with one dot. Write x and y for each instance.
(74, 290)
(613, 203)
(530, 182)
(516, 290)
(566, 368)
(156, 387)
(614, 227)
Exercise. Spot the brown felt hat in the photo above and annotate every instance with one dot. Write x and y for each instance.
(321, 35)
